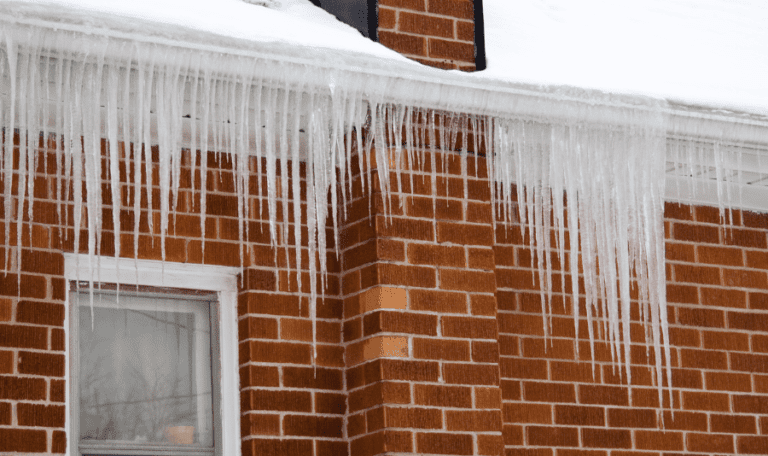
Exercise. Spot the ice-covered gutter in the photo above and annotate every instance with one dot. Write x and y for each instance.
(138, 81)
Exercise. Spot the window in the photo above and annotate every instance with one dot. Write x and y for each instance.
(153, 368)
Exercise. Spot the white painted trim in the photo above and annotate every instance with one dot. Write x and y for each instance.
(220, 279)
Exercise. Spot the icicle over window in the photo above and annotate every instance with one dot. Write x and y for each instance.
(593, 175)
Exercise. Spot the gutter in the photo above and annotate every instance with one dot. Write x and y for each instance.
(396, 81)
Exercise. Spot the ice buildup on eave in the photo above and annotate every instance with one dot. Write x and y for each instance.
(605, 153)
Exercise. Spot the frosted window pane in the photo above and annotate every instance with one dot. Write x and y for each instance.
(145, 371)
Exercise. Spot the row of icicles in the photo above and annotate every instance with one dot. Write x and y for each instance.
(613, 176)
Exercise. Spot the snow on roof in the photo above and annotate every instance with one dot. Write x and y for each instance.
(291, 22)
(712, 53)
(709, 52)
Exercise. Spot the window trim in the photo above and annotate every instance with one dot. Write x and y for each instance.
(219, 279)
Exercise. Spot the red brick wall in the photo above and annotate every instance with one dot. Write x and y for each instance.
(438, 33)
(718, 312)
(430, 335)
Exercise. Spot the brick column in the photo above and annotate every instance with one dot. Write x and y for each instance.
(288, 405)
(420, 318)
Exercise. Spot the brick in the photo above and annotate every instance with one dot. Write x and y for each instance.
(452, 350)
(417, 371)
(750, 404)
(400, 322)
(724, 297)
(465, 30)
(752, 445)
(471, 374)
(656, 440)
(758, 301)
(454, 50)
(382, 298)
(376, 347)
(280, 352)
(278, 400)
(552, 436)
(579, 415)
(748, 320)
(549, 392)
(698, 317)
(488, 398)
(464, 234)
(437, 255)
(23, 337)
(757, 259)
(40, 262)
(438, 301)
(685, 421)
(258, 328)
(469, 327)
(312, 377)
(41, 364)
(278, 447)
(422, 24)
(727, 381)
(697, 274)
(295, 329)
(6, 362)
(606, 438)
(575, 372)
(749, 363)
(523, 368)
(456, 8)
(252, 424)
(411, 276)
(471, 281)
(551, 348)
(696, 233)
(312, 426)
(443, 396)
(57, 391)
(413, 417)
(745, 279)
(682, 293)
(406, 228)
(632, 418)
(23, 440)
(720, 255)
(703, 359)
(6, 309)
(680, 252)
(259, 376)
(678, 211)
(705, 401)
(473, 420)
(40, 415)
(5, 413)
(387, 18)
(415, 5)
(709, 443)
(607, 395)
(720, 340)
(745, 238)
(732, 424)
(439, 443)
(485, 352)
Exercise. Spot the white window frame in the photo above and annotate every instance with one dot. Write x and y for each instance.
(219, 279)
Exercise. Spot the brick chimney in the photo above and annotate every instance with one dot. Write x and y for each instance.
(439, 33)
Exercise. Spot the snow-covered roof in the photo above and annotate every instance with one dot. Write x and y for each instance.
(704, 52)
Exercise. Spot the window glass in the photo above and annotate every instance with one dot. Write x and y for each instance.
(144, 370)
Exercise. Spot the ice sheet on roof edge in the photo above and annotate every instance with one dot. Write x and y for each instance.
(613, 173)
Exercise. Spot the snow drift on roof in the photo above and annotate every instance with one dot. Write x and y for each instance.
(709, 52)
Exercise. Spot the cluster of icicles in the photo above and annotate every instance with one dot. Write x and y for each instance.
(142, 94)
